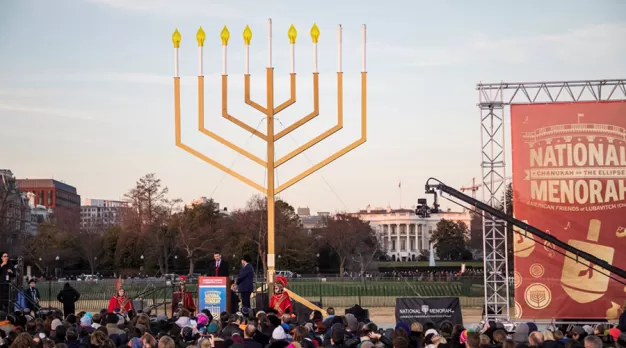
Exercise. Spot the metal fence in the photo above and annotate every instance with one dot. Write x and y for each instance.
(157, 294)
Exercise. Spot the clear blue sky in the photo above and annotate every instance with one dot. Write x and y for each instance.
(86, 92)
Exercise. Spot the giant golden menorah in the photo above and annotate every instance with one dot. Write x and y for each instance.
(270, 111)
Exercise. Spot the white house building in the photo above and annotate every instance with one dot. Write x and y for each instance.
(403, 234)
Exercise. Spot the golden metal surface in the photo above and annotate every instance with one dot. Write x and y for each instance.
(292, 95)
(246, 82)
(341, 152)
(201, 156)
(309, 117)
(214, 136)
(232, 118)
(270, 180)
(327, 133)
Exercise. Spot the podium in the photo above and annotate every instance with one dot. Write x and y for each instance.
(214, 294)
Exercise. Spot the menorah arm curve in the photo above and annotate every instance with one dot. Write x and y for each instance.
(327, 133)
(246, 83)
(232, 118)
(309, 117)
(341, 152)
(292, 95)
(213, 135)
(198, 154)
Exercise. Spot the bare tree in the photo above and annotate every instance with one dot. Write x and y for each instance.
(151, 212)
(199, 231)
(351, 239)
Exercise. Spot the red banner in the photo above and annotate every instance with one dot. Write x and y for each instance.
(569, 180)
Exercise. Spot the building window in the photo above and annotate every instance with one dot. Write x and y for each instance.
(393, 245)
(412, 244)
(41, 200)
(49, 197)
(403, 244)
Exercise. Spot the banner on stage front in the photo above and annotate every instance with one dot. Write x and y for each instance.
(429, 310)
(212, 294)
(569, 180)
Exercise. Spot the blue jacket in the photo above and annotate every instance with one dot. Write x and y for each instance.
(245, 280)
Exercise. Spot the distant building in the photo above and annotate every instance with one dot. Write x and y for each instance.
(38, 213)
(50, 193)
(97, 215)
(309, 221)
(62, 198)
(15, 218)
(405, 235)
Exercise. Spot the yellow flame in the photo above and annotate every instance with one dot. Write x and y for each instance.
(247, 35)
(292, 34)
(176, 37)
(315, 33)
(200, 36)
(225, 35)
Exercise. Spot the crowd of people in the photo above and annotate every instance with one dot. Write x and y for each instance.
(270, 329)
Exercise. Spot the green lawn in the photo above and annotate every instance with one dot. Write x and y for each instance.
(305, 287)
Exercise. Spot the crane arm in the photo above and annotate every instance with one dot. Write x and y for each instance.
(441, 187)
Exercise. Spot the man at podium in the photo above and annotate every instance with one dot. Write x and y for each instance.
(219, 267)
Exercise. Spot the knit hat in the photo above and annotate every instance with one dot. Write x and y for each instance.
(202, 319)
(614, 332)
(55, 323)
(279, 333)
(521, 333)
(463, 337)
(588, 329)
(85, 321)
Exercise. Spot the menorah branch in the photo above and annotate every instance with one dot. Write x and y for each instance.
(324, 135)
(213, 135)
(292, 97)
(309, 117)
(249, 101)
(341, 152)
(199, 155)
(232, 118)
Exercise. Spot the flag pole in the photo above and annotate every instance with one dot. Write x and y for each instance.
(400, 187)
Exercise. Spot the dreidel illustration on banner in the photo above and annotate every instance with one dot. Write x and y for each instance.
(522, 245)
(580, 280)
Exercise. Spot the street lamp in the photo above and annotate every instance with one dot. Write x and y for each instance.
(142, 256)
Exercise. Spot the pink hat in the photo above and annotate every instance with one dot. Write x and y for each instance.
(464, 337)
(203, 319)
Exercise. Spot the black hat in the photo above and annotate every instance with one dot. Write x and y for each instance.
(247, 258)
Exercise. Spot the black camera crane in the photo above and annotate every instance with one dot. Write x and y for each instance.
(424, 211)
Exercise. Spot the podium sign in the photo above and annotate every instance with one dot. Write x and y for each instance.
(213, 294)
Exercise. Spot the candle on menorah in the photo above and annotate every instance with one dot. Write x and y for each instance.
(270, 110)
(200, 37)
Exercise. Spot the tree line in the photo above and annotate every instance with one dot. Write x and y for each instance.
(156, 235)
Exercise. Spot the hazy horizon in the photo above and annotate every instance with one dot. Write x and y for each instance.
(87, 95)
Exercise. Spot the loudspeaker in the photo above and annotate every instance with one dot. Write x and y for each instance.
(262, 301)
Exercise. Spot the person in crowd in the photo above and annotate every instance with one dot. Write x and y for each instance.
(219, 267)
(120, 303)
(183, 299)
(593, 342)
(280, 301)
(245, 281)
(535, 339)
(32, 296)
(68, 296)
(473, 340)
(6, 274)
